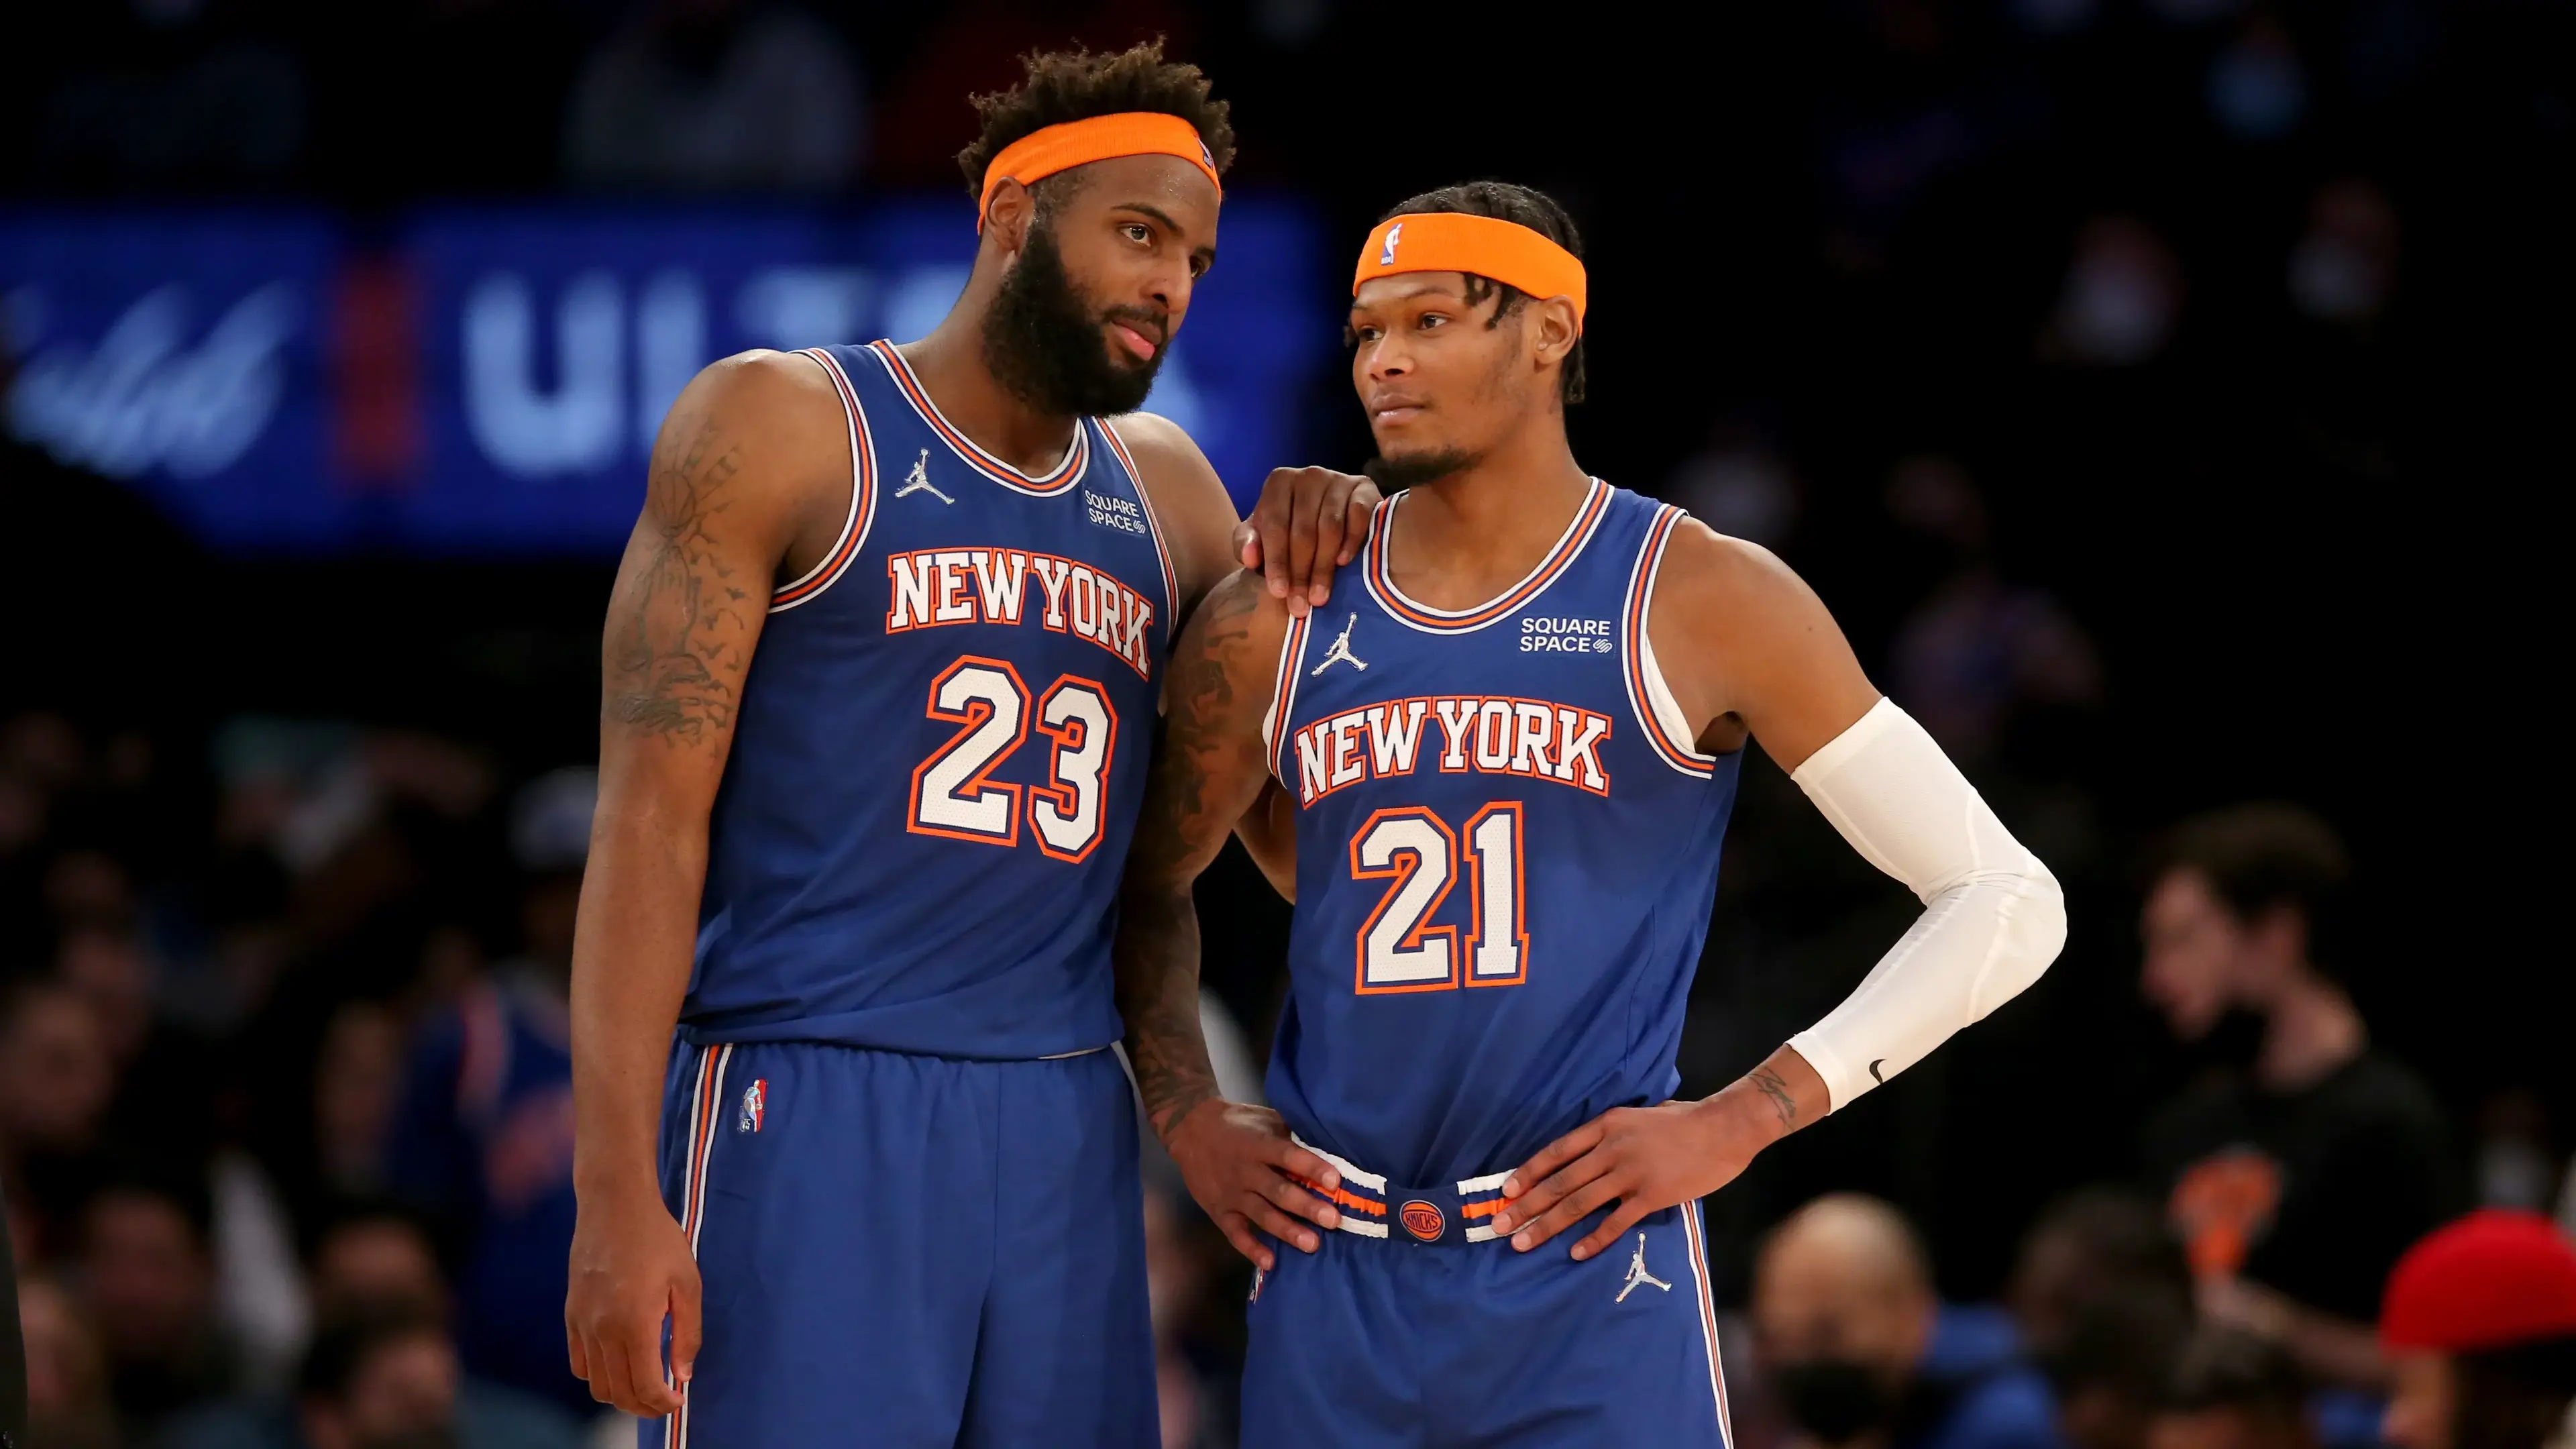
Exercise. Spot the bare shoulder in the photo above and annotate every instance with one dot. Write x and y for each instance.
(1744, 643)
(1227, 660)
(1188, 498)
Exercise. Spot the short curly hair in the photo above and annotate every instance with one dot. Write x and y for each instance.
(1524, 206)
(1075, 85)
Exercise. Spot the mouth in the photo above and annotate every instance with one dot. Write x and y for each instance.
(1394, 411)
(1137, 343)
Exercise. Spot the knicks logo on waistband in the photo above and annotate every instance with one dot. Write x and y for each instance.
(1423, 1220)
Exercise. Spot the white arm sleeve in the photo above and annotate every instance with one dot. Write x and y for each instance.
(1993, 919)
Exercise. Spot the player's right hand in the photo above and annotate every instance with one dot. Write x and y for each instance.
(1307, 523)
(1241, 1165)
(631, 1267)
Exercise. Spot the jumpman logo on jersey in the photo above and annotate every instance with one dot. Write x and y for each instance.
(1341, 653)
(1638, 1277)
(918, 480)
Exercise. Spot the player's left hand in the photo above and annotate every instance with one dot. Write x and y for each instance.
(1308, 522)
(1647, 1158)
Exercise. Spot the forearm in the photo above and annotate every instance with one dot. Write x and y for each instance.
(1993, 916)
(632, 949)
(1767, 1103)
(1158, 997)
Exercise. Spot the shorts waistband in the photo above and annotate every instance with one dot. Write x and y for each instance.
(1450, 1212)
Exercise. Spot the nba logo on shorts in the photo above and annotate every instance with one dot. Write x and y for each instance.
(1423, 1220)
(1386, 254)
(755, 1105)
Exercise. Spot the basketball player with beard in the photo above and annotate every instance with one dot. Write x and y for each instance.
(1510, 753)
(880, 673)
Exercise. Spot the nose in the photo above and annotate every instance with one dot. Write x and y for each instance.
(1386, 359)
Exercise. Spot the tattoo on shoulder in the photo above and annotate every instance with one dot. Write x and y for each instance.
(1778, 1091)
(681, 623)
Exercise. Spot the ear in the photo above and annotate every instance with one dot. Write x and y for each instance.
(1008, 219)
(1553, 329)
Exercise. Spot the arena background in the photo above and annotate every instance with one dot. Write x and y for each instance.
(2172, 391)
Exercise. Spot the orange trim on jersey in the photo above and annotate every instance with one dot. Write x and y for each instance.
(1641, 593)
(972, 718)
(1476, 895)
(1342, 1197)
(1055, 481)
(863, 496)
(1070, 738)
(1481, 1209)
(1402, 870)
(1136, 480)
(1381, 578)
(1694, 1234)
(1283, 697)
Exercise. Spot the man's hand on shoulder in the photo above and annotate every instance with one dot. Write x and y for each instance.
(1247, 1173)
(1308, 522)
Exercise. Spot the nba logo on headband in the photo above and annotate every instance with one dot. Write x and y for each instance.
(1386, 254)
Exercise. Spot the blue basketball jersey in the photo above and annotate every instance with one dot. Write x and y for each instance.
(1507, 851)
(940, 750)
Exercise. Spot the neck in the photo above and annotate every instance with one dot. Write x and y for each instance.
(950, 364)
(2311, 1029)
(1475, 532)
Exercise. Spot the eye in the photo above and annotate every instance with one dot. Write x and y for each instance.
(1364, 334)
(1429, 320)
(1198, 268)
(1137, 232)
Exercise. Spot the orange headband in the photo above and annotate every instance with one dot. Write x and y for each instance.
(1050, 149)
(1450, 241)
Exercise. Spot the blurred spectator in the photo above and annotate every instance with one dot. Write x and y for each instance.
(1979, 654)
(381, 1376)
(2303, 1162)
(2110, 1369)
(2480, 1320)
(67, 1403)
(55, 1081)
(1194, 1404)
(2092, 1245)
(1860, 1352)
(2514, 1166)
(150, 1277)
(2122, 294)
(718, 95)
(375, 1265)
(2343, 269)
(2232, 1390)
(483, 1139)
(357, 1083)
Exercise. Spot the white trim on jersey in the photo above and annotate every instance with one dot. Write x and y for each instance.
(1283, 698)
(1695, 1233)
(1659, 716)
(835, 561)
(1145, 501)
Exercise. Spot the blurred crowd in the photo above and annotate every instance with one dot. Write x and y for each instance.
(2091, 365)
(285, 1137)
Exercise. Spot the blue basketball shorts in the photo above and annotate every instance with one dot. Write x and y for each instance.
(907, 1250)
(1421, 1330)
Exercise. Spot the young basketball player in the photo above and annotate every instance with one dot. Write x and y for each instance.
(880, 670)
(1511, 751)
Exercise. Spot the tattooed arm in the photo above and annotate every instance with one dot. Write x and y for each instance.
(751, 470)
(1208, 770)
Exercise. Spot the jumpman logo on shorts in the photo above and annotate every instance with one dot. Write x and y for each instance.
(1638, 1277)
(918, 480)
(1341, 653)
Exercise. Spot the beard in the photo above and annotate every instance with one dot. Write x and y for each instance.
(1043, 342)
(1406, 470)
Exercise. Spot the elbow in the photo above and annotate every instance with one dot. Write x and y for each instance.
(2034, 932)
